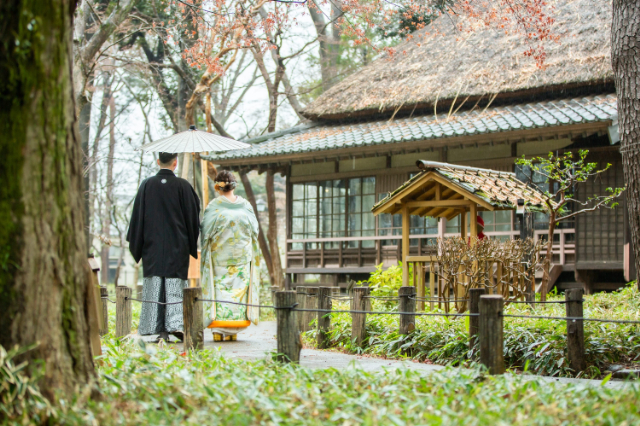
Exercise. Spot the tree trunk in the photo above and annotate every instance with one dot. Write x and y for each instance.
(44, 274)
(93, 173)
(272, 232)
(546, 265)
(625, 45)
(108, 203)
(85, 129)
(248, 189)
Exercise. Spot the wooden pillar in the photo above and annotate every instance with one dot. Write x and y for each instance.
(405, 245)
(575, 329)
(123, 311)
(463, 224)
(473, 221)
(359, 320)
(419, 271)
(205, 185)
(491, 333)
(184, 169)
(192, 318)
(474, 308)
(288, 335)
(104, 293)
(324, 317)
(407, 303)
(432, 284)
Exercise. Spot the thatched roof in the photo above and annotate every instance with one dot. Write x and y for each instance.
(490, 189)
(439, 68)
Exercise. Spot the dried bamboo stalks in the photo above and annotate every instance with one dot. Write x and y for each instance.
(501, 267)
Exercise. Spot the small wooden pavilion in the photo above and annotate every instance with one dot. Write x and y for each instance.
(445, 190)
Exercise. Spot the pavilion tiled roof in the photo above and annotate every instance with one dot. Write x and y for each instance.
(319, 137)
(501, 190)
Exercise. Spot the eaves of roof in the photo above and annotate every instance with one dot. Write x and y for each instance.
(498, 122)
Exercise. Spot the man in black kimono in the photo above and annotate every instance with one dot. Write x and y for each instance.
(163, 232)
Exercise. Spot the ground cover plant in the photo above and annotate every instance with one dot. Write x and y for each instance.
(156, 384)
(537, 345)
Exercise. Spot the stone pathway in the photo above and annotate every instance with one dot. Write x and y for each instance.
(257, 342)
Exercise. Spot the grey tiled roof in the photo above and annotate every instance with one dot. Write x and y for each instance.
(492, 120)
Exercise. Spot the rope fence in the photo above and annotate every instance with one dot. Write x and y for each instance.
(295, 311)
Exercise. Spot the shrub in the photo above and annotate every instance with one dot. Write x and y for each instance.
(536, 344)
(20, 400)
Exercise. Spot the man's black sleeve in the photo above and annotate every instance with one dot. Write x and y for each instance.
(135, 235)
(191, 211)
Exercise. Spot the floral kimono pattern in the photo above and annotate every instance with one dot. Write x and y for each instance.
(229, 257)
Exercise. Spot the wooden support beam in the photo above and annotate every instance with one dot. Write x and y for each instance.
(473, 214)
(463, 225)
(426, 211)
(440, 203)
(450, 213)
(405, 246)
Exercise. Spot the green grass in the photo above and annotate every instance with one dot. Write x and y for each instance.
(540, 345)
(151, 385)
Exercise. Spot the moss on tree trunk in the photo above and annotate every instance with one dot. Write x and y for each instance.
(43, 265)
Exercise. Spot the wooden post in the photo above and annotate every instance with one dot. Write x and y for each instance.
(184, 170)
(407, 303)
(491, 333)
(324, 319)
(104, 293)
(405, 245)
(419, 271)
(463, 225)
(575, 329)
(192, 317)
(473, 222)
(139, 288)
(432, 284)
(205, 184)
(359, 321)
(95, 317)
(474, 308)
(310, 303)
(288, 335)
(123, 311)
(301, 300)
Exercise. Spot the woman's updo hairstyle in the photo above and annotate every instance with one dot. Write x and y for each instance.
(225, 181)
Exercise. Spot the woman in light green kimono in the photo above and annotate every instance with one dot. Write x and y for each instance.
(229, 258)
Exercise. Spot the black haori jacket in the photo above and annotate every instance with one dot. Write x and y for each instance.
(164, 226)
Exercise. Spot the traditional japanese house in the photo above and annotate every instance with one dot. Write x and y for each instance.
(467, 98)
